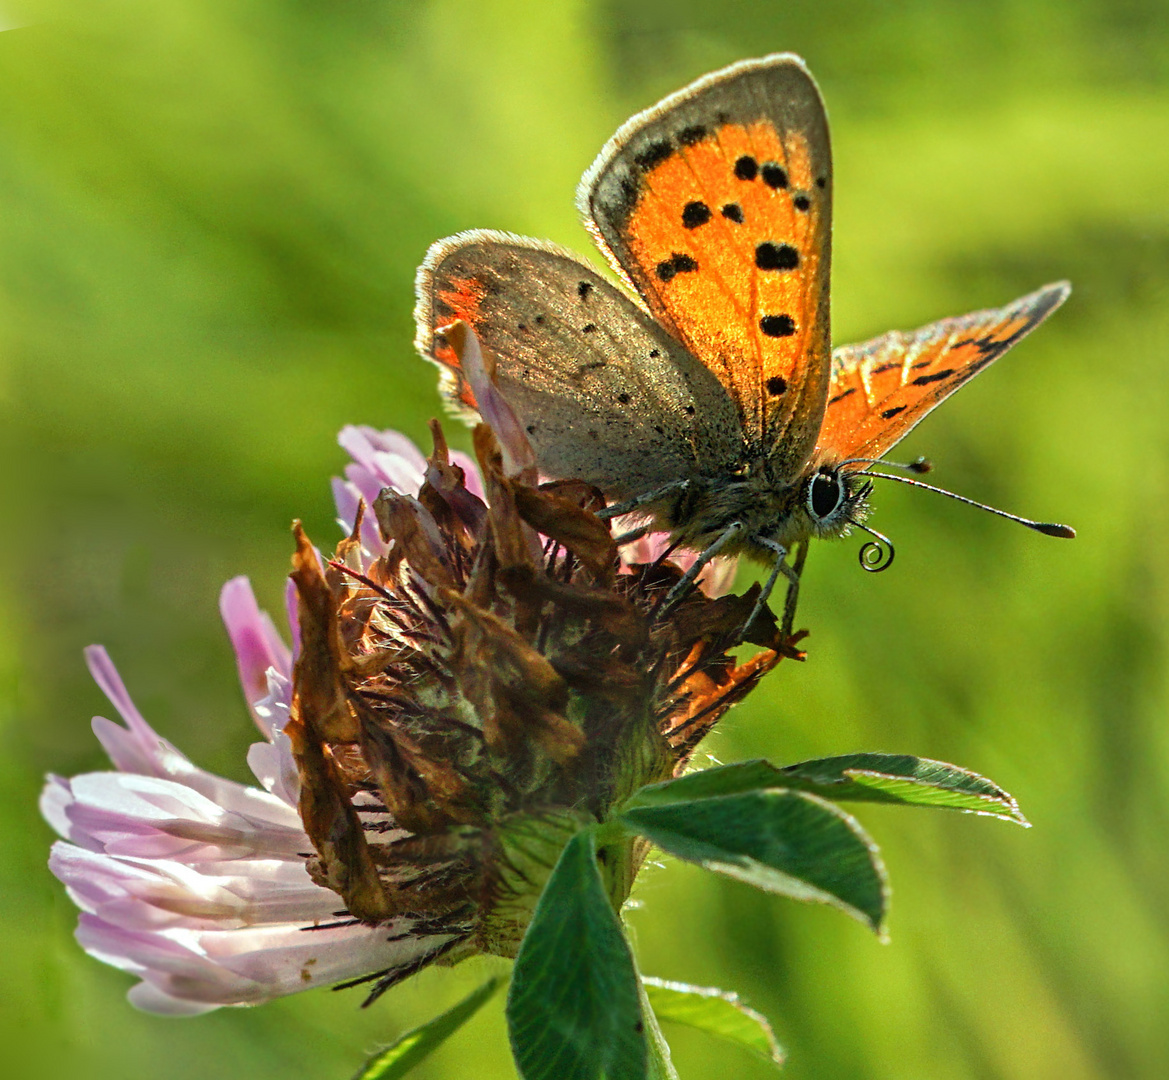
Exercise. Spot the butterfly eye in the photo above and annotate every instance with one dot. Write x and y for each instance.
(825, 494)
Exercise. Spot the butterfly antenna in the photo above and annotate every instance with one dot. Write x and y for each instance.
(1045, 527)
(877, 554)
(918, 465)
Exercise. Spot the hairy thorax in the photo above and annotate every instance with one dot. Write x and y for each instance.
(766, 509)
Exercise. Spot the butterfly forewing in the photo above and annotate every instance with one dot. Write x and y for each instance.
(881, 388)
(592, 377)
(716, 205)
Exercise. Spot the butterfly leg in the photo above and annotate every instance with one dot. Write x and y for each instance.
(792, 572)
(631, 536)
(644, 499)
(793, 589)
(686, 582)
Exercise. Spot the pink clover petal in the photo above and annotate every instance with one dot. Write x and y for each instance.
(54, 803)
(251, 965)
(291, 957)
(170, 764)
(384, 459)
(519, 459)
(397, 472)
(472, 481)
(127, 751)
(367, 485)
(716, 578)
(394, 442)
(292, 611)
(194, 883)
(151, 999)
(274, 767)
(388, 458)
(143, 816)
(158, 956)
(346, 496)
(136, 747)
(257, 644)
(273, 708)
(157, 893)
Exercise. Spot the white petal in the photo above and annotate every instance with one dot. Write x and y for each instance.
(248, 966)
(143, 816)
(151, 999)
(157, 894)
(56, 797)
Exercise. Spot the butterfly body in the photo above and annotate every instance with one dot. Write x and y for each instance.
(705, 396)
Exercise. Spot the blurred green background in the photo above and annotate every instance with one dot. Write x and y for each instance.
(210, 215)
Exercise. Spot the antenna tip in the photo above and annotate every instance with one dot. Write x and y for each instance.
(1064, 531)
(921, 465)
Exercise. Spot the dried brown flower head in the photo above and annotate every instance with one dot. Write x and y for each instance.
(466, 701)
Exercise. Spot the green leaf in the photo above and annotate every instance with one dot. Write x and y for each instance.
(574, 1010)
(900, 778)
(709, 783)
(888, 778)
(659, 1065)
(787, 842)
(717, 1012)
(401, 1056)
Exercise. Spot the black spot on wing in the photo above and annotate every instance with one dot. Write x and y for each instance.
(842, 395)
(769, 256)
(746, 168)
(677, 263)
(774, 176)
(888, 414)
(628, 195)
(776, 385)
(733, 212)
(688, 136)
(695, 214)
(937, 376)
(653, 154)
(777, 325)
(583, 288)
(801, 203)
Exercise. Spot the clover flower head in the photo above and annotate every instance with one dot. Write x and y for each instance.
(475, 671)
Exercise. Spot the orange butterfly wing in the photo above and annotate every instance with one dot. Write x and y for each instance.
(882, 388)
(716, 206)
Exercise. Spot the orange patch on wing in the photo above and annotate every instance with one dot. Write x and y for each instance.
(882, 388)
(730, 260)
(460, 300)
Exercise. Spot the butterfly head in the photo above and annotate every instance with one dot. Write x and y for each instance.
(834, 498)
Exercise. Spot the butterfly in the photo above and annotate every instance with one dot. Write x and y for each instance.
(705, 396)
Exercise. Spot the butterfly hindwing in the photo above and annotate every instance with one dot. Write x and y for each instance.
(881, 388)
(716, 205)
(592, 377)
